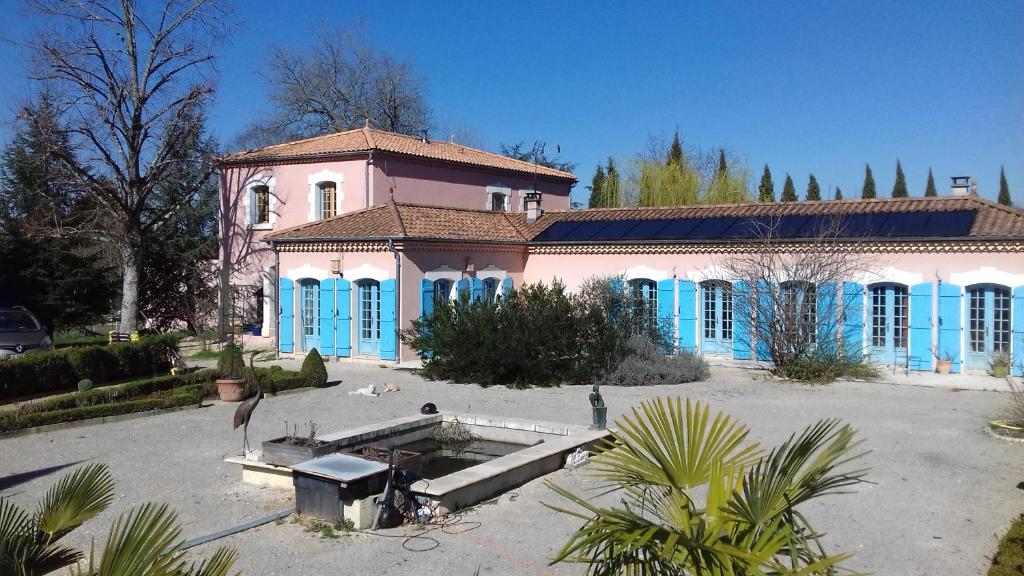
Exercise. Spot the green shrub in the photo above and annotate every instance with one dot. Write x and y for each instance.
(645, 365)
(231, 364)
(821, 368)
(538, 335)
(84, 385)
(128, 391)
(313, 370)
(182, 397)
(97, 363)
(76, 340)
(1009, 558)
(36, 373)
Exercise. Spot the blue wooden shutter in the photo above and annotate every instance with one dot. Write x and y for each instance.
(327, 312)
(343, 321)
(1017, 342)
(921, 326)
(950, 306)
(388, 336)
(426, 298)
(853, 319)
(687, 315)
(462, 289)
(742, 320)
(828, 318)
(477, 287)
(666, 316)
(506, 287)
(286, 316)
(765, 312)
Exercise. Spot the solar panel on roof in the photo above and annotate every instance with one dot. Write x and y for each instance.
(585, 231)
(557, 231)
(645, 230)
(615, 229)
(677, 229)
(958, 223)
(712, 228)
(905, 224)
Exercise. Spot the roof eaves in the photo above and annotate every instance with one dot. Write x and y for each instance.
(398, 216)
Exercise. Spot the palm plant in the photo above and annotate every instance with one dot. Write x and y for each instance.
(698, 499)
(143, 542)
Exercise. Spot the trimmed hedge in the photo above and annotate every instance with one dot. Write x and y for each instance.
(128, 391)
(58, 370)
(181, 397)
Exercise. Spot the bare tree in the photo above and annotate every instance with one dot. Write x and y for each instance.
(788, 291)
(131, 77)
(340, 83)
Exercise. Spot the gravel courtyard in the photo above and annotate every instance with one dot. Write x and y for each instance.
(942, 490)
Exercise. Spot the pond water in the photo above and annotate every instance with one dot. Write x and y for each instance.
(440, 460)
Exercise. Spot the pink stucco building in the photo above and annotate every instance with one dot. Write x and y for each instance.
(419, 221)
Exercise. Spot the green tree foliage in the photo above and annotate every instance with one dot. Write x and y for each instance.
(929, 189)
(696, 496)
(63, 278)
(612, 186)
(729, 186)
(899, 188)
(675, 151)
(839, 193)
(869, 183)
(1004, 189)
(671, 184)
(813, 190)
(313, 369)
(722, 166)
(597, 188)
(788, 190)
(144, 540)
(766, 191)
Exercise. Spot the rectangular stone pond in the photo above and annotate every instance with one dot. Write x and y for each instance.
(505, 453)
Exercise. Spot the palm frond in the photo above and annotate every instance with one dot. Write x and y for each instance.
(220, 564)
(74, 499)
(143, 542)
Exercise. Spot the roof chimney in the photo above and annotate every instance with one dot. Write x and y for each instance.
(961, 185)
(531, 201)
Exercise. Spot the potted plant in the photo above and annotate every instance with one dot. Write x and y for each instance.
(999, 364)
(230, 381)
(943, 364)
(292, 448)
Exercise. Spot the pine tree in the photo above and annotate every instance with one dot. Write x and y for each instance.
(839, 193)
(722, 167)
(1004, 189)
(675, 152)
(597, 188)
(766, 191)
(929, 190)
(813, 190)
(869, 183)
(612, 186)
(788, 190)
(899, 188)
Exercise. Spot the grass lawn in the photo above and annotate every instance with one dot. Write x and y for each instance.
(208, 354)
(1009, 559)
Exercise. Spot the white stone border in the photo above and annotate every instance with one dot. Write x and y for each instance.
(986, 275)
(306, 271)
(325, 176)
(640, 271)
(367, 272)
(491, 271)
(270, 182)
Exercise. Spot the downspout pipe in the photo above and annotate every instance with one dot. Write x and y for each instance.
(277, 301)
(398, 300)
(366, 180)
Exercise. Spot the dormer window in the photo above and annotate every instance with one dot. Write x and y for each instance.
(498, 202)
(261, 204)
(498, 198)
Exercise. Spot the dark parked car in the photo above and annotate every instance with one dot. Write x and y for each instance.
(21, 333)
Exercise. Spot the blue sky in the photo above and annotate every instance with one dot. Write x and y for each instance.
(808, 87)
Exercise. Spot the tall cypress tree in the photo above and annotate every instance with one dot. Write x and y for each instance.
(1004, 189)
(675, 152)
(612, 186)
(766, 191)
(788, 190)
(929, 190)
(839, 193)
(869, 183)
(597, 188)
(813, 190)
(899, 188)
(722, 168)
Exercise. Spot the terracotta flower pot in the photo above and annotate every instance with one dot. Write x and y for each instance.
(943, 366)
(1000, 370)
(230, 389)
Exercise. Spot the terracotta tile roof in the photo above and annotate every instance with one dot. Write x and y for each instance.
(398, 220)
(366, 139)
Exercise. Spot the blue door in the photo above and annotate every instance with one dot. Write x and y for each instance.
(310, 311)
(988, 328)
(716, 307)
(369, 318)
(889, 323)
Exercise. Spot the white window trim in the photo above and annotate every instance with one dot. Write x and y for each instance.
(987, 275)
(491, 271)
(367, 272)
(313, 196)
(891, 275)
(249, 201)
(443, 271)
(498, 188)
(642, 272)
(306, 271)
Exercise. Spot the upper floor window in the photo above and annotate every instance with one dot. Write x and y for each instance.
(261, 204)
(328, 201)
(499, 198)
(498, 201)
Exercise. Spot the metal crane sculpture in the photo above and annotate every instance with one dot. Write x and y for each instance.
(244, 411)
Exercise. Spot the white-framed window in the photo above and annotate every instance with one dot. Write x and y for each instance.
(498, 198)
(491, 289)
(326, 200)
(644, 296)
(443, 290)
(259, 203)
(326, 193)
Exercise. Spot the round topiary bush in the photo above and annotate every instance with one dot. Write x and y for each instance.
(84, 385)
(313, 369)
